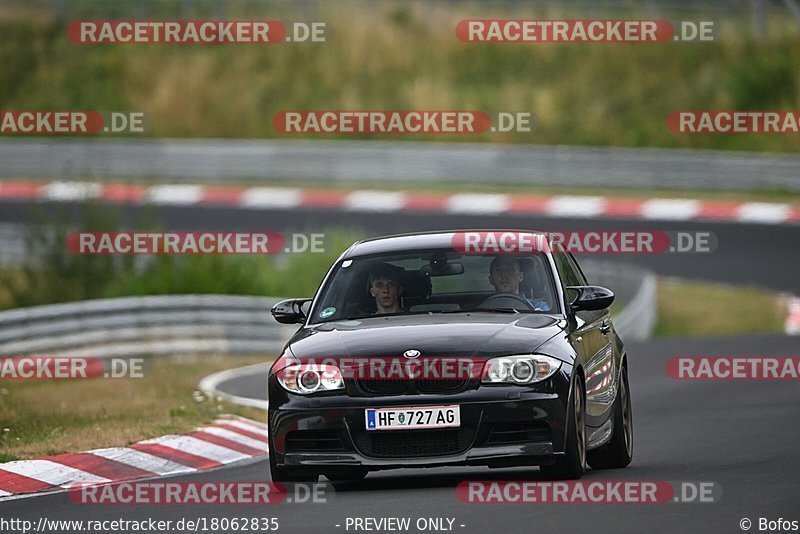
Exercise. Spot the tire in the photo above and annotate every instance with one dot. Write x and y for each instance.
(281, 474)
(618, 452)
(572, 464)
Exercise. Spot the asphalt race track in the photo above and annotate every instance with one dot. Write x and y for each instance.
(755, 254)
(741, 435)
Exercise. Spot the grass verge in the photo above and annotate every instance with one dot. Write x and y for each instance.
(55, 275)
(689, 308)
(390, 55)
(41, 418)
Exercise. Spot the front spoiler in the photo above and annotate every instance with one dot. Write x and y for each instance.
(497, 456)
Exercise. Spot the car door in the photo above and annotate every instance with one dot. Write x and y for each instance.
(592, 338)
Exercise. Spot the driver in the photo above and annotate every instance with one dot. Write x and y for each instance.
(385, 288)
(505, 276)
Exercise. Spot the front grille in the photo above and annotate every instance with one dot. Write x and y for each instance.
(413, 443)
(519, 432)
(440, 385)
(314, 441)
(379, 386)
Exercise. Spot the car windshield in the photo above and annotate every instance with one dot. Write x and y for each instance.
(436, 281)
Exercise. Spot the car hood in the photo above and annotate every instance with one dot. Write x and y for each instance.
(476, 335)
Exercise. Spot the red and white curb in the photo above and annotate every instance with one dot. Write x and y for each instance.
(227, 440)
(664, 209)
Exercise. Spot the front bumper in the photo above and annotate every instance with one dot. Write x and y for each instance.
(500, 427)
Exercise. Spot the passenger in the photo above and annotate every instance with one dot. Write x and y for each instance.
(385, 288)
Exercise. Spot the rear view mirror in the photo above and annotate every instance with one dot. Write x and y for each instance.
(447, 269)
(290, 311)
(586, 298)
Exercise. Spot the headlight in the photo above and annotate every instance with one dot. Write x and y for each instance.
(523, 369)
(310, 378)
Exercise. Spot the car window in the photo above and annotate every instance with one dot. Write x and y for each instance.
(567, 271)
(435, 281)
(475, 277)
(577, 270)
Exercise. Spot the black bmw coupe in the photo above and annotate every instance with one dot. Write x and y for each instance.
(450, 348)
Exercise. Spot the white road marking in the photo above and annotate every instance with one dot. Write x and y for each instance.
(198, 447)
(672, 209)
(244, 425)
(271, 197)
(375, 201)
(68, 191)
(177, 194)
(763, 212)
(234, 436)
(792, 325)
(51, 472)
(142, 460)
(572, 206)
(477, 203)
(255, 423)
(210, 384)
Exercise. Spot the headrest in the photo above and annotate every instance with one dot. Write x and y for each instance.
(416, 284)
(531, 274)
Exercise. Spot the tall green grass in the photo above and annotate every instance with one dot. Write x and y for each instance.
(394, 56)
(55, 274)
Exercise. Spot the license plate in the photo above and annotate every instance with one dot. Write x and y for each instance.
(408, 418)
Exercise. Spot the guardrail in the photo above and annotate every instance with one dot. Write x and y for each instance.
(137, 326)
(220, 324)
(395, 161)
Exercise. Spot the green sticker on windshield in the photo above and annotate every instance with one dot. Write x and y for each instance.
(327, 312)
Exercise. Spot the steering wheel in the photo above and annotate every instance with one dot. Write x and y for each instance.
(494, 301)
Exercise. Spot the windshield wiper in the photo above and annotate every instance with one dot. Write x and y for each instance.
(430, 312)
(374, 316)
(490, 310)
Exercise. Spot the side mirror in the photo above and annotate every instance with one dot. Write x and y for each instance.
(290, 311)
(587, 298)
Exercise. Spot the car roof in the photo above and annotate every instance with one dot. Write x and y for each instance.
(415, 241)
